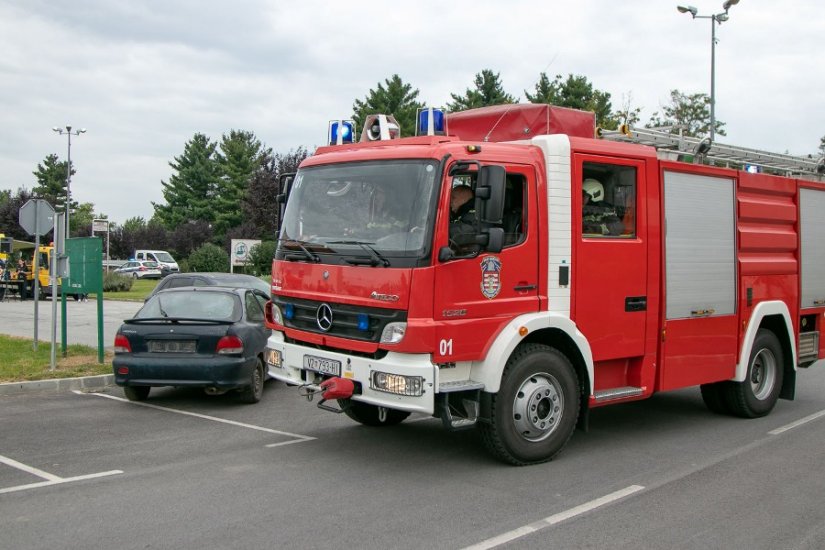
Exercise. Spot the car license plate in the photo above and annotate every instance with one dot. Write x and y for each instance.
(171, 346)
(324, 366)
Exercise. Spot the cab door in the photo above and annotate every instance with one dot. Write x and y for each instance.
(610, 290)
(476, 295)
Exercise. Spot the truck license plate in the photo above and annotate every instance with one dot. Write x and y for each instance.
(324, 366)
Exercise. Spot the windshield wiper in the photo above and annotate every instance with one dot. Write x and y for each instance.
(375, 257)
(307, 255)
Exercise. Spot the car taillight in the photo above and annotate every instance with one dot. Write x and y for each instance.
(142, 268)
(122, 344)
(229, 345)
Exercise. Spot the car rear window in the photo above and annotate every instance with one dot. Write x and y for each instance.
(191, 304)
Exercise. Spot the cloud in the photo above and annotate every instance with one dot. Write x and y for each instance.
(144, 76)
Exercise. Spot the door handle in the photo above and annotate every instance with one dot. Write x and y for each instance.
(635, 303)
(524, 288)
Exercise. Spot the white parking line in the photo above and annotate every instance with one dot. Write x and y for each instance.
(298, 438)
(796, 424)
(51, 479)
(510, 536)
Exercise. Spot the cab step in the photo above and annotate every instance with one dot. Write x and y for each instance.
(617, 393)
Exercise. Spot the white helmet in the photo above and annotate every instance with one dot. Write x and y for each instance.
(593, 188)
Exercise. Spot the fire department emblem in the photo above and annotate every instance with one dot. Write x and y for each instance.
(490, 276)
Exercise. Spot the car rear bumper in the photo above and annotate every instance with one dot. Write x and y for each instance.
(174, 370)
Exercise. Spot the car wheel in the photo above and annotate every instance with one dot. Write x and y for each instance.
(136, 393)
(134, 275)
(372, 415)
(533, 415)
(757, 394)
(253, 392)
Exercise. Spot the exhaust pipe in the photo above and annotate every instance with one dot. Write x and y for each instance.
(212, 390)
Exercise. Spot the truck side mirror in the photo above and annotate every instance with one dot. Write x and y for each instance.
(495, 240)
(490, 190)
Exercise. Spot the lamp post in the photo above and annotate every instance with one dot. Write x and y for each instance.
(68, 132)
(716, 18)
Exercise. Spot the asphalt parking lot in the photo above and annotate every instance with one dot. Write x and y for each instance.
(17, 319)
(185, 470)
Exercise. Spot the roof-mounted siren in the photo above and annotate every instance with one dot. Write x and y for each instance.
(380, 128)
(341, 132)
(431, 121)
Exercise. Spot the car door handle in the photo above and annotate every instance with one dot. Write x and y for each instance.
(635, 303)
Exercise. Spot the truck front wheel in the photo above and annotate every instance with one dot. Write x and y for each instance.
(535, 412)
(372, 415)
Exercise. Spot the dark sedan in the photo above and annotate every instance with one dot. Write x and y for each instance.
(207, 337)
(175, 280)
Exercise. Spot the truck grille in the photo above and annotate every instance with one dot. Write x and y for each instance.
(345, 318)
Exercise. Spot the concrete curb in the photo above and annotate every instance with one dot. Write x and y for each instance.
(83, 383)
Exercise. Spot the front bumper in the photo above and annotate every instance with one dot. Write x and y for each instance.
(197, 371)
(359, 370)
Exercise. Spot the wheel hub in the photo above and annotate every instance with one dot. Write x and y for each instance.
(763, 374)
(538, 407)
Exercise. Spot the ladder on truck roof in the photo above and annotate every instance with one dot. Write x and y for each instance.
(672, 146)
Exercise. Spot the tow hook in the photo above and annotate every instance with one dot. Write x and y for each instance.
(331, 388)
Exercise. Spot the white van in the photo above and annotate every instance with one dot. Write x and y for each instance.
(160, 256)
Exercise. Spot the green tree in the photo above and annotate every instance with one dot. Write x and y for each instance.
(397, 99)
(487, 91)
(51, 182)
(191, 190)
(575, 92)
(240, 157)
(688, 112)
(822, 145)
(209, 257)
(260, 258)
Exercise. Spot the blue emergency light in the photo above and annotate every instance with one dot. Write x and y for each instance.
(430, 122)
(341, 132)
(363, 321)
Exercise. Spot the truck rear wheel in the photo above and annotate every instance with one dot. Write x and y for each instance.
(372, 415)
(758, 393)
(535, 412)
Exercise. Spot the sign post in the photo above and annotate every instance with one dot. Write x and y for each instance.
(240, 252)
(37, 218)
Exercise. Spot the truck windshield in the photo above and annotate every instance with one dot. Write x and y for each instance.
(377, 209)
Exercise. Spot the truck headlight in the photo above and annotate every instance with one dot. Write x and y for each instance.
(277, 316)
(397, 384)
(393, 333)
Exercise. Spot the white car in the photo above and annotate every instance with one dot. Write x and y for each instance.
(139, 270)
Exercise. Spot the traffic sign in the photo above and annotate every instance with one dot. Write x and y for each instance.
(37, 217)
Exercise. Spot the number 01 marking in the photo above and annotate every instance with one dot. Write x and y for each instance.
(445, 347)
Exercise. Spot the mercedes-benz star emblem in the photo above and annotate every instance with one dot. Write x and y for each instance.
(323, 316)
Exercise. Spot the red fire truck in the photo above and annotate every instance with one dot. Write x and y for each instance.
(595, 272)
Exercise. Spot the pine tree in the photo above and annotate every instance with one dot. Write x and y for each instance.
(575, 92)
(190, 192)
(51, 181)
(488, 91)
(241, 156)
(397, 99)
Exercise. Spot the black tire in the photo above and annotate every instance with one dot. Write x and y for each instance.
(370, 415)
(134, 275)
(253, 392)
(757, 395)
(136, 393)
(714, 397)
(533, 415)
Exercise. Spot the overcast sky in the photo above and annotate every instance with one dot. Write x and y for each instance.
(144, 76)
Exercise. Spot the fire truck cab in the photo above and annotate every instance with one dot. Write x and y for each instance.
(582, 272)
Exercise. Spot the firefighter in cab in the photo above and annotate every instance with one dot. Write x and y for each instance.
(598, 217)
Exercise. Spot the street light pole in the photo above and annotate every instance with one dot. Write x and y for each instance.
(68, 132)
(715, 19)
